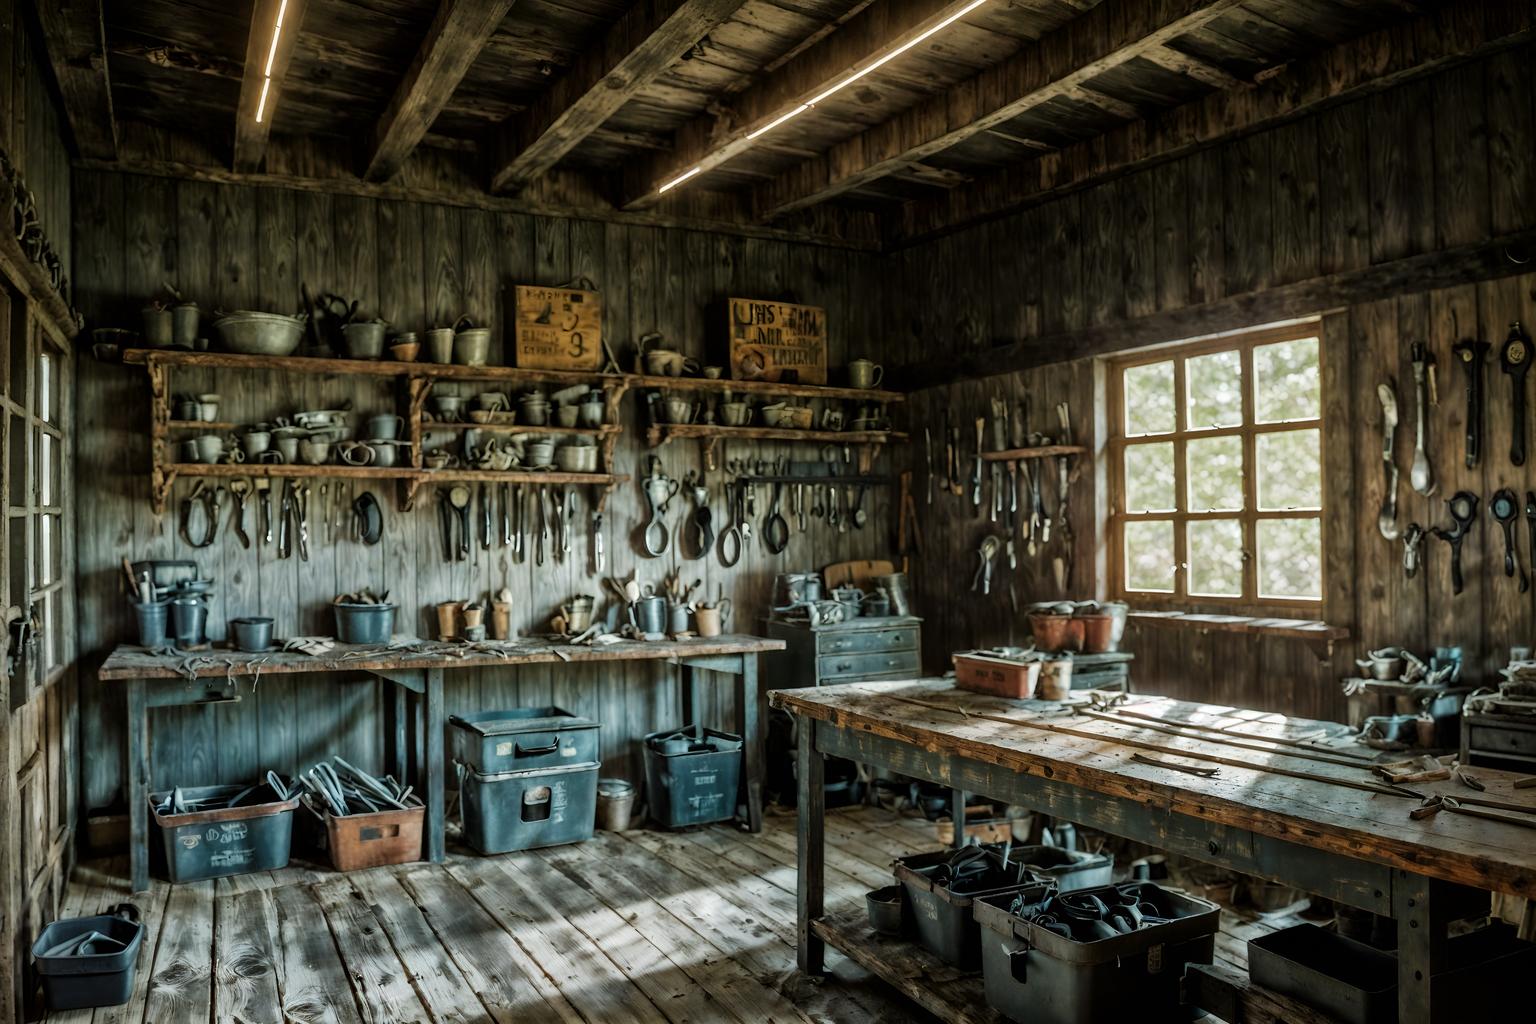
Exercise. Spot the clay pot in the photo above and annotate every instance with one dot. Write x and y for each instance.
(448, 619)
(1098, 633)
(1052, 632)
(1055, 680)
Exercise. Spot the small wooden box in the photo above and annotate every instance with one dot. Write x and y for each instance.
(558, 329)
(1001, 677)
(777, 341)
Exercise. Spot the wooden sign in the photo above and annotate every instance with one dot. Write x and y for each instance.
(778, 341)
(558, 329)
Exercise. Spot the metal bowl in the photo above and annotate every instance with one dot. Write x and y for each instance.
(259, 334)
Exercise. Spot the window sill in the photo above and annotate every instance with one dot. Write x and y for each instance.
(1310, 630)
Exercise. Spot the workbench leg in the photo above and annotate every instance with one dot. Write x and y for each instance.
(752, 740)
(689, 701)
(137, 785)
(397, 731)
(810, 859)
(434, 770)
(1421, 909)
(958, 798)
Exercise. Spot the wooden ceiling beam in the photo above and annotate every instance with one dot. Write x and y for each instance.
(1388, 57)
(1060, 65)
(75, 39)
(707, 141)
(647, 40)
(459, 30)
(257, 94)
(1187, 64)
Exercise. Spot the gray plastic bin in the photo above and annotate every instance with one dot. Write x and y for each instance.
(1069, 869)
(102, 976)
(518, 739)
(1032, 974)
(941, 913)
(225, 841)
(696, 785)
(525, 810)
(1348, 980)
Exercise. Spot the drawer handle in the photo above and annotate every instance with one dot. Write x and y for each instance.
(844, 666)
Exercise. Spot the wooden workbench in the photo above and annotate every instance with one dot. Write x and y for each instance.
(1322, 834)
(211, 677)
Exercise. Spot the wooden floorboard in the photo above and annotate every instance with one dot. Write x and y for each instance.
(642, 927)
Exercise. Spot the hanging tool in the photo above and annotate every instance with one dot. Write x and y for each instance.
(556, 527)
(285, 521)
(264, 493)
(519, 524)
(599, 554)
(700, 526)
(928, 460)
(981, 426)
(798, 505)
(209, 499)
(330, 525)
(1473, 354)
(1386, 520)
(956, 476)
(1422, 475)
(987, 554)
(567, 513)
(504, 493)
(240, 487)
(1018, 424)
(949, 452)
(659, 489)
(1504, 510)
(1463, 509)
(999, 443)
(907, 524)
(458, 497)
(445, 517)
(734, 539)
(484, 500)
(776, 529)
(860, 517)
(1413, 538)
(1515, 360)
(1063, 565)
(544, 513)
(1530, 524)
(301, 510)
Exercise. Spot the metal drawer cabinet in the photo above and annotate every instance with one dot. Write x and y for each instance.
(847, 652)
(843, 668)
(862, 641)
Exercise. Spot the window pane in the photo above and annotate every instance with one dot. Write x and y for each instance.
(1149, 556)
(1215, 558)
(1149, 477)
(1291, 558)
(1213, 468)
(1149, 399)
(45, 541)
(1290, 470)
(1214, 383)
(45, 387)
(1286, 382)
(45, 465)
(20, 435)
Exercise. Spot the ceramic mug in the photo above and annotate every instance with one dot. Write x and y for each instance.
(383, 455)
(385, 426)
(567, 415)
(255, 443)
(539, 453)
(315, 451)
(735, 414)
(707, 621)
(288, 448)
(189, 451)
(862, 373)
(210, 448)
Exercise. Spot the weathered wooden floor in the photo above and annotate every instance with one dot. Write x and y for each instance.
(635, 928)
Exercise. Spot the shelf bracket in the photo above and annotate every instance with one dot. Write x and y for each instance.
(161, 481)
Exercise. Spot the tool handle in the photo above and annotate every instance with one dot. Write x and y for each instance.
(1517, 426)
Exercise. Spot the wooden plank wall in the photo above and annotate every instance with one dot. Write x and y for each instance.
(237, 246)
(31, 125)
(1435, 164)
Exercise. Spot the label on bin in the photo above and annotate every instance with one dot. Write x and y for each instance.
(1155, 959)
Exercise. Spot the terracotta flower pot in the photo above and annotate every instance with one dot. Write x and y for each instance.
(1052, 632)
(1098, 633)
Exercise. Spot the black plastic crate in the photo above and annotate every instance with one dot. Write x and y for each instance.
(1069, 869)
(226, 840)
(518, 739)
(76, 981)
(696, 784)
(525, 810)
(1348, 980)
(940, 901)
(1031, 973)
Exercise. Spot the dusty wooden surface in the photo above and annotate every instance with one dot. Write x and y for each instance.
(131, 662)
(1097, 756)
(685, 928)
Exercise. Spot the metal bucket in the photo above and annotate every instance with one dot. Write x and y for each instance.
(615, 804)
(895, 587)
(472, 346)
(365, 340)
(188, 614)
(152, 616)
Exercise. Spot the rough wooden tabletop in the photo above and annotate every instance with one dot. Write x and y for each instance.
(129, 661)
(1097, 754)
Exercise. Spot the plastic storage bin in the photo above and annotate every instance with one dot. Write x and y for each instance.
(688, 782)
(359, 841)
(525, 810)
(1348, 980)
(522, 738)
(76, 981)
(226, 840)
(941, 902)
(1069, 869)
(1034, 974)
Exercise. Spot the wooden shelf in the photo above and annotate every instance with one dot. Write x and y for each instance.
(661, 433)
(517, 476)
(201, 425)
(1042, 452)
(368, 368)
(428, 426)
(279, 471)
(1290, 629)
(761, 387)
(949, 993)
(31, 279)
